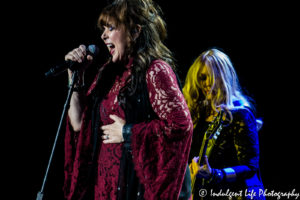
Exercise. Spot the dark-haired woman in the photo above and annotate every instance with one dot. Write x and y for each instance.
(129, 135)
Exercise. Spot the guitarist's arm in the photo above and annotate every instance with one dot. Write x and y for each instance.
(206, 172)
(246, 144)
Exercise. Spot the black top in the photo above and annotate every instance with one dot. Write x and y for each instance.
(236, 147)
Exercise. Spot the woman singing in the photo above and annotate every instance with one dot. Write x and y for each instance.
(129, 135)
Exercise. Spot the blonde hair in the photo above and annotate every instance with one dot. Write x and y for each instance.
(224, 84)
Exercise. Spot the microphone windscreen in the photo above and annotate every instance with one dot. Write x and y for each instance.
(93, 49)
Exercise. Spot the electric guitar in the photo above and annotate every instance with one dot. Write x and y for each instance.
(213, 131)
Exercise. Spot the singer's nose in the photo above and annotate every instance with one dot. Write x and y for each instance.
(104, 35)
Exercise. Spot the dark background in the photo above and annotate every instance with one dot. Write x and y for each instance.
(260, 39)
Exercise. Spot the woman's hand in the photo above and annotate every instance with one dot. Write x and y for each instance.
(113, 133)
(79, 55)
(203, 171)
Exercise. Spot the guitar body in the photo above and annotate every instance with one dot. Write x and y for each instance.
(197, 182)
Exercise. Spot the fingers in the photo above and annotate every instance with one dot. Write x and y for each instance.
(206, 161)
(82, 48)
(205, 164)
(80, 53)
(111, 140)
(196, 159)
(112, 133)
(105, 137)
(106, 131)
(77, 55)
(108, 138)
(89, 58)
(105, 128)
(203, 167)
(111, 129)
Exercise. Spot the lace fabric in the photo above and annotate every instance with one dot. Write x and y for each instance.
(160, 147)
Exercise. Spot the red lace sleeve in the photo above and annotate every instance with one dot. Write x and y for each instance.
(160, 147)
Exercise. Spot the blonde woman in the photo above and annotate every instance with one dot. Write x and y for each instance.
(224, 155)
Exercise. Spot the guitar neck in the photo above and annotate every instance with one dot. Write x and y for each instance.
(203, 153)
(210, 132)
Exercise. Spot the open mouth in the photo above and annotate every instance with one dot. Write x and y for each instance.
(111, 48)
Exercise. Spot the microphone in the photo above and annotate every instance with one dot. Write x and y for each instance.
(92, 50)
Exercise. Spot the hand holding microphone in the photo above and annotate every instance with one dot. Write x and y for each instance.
(80, 55)
(82, 59)
(77, 59)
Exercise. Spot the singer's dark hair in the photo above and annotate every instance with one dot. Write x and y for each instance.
(148, 46)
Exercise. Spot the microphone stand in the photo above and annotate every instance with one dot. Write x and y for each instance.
(40, 194)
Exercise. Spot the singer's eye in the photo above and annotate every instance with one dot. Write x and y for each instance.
(111, 28)
(108, 27)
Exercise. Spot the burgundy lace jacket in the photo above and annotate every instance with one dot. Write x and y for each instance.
(160, 147)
